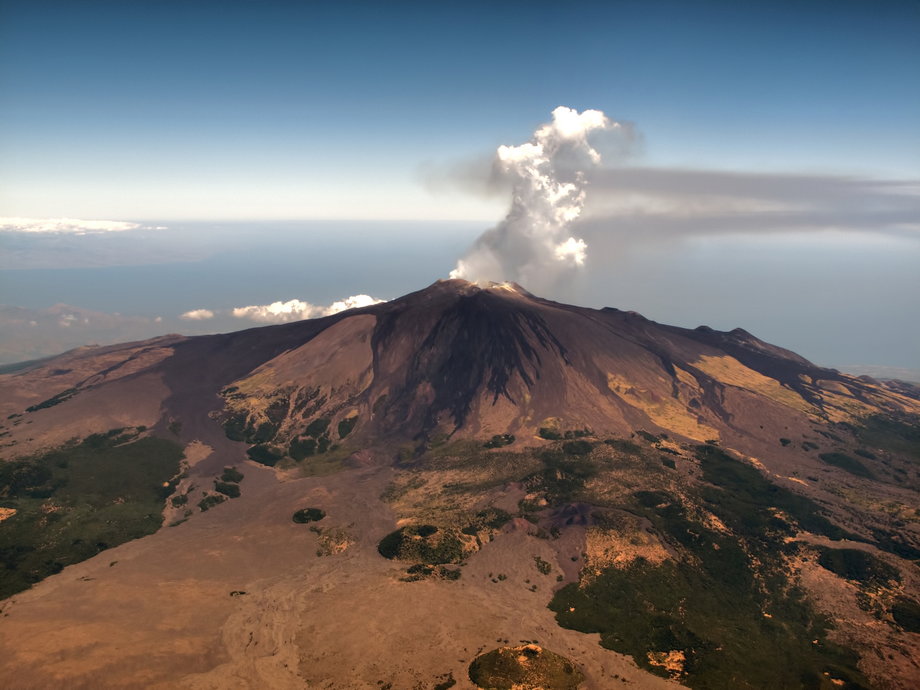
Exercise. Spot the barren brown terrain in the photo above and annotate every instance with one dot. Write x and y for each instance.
(487, 469)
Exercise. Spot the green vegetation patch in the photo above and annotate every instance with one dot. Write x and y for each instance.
(552, 433)
(305, 515)
(209, 501)
(854, 564)
(265, 455)
(744, 499)
(706, 612)
(346, 425)
(549, 433)
(228, 489)
(317, 427)
(231, 474)
(649, 438)
(302, 448)
(527, 666)
(722, 611)
(563, 476)
(422, 544)
(896, 435)
(424, 571)
(487, 519)
(544, 567)
(500, 441)
(57, 399)
(239, 427)
(81, 499)
(845, 462)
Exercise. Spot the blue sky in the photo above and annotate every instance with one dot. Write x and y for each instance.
(773, 181)
(314, 110)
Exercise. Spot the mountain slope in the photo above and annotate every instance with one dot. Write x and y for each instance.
(690, 495)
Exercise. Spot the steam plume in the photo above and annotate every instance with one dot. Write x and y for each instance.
(548, 183)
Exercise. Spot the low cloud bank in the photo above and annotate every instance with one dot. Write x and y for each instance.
(284, 312)
(296, 310)
(197, 315)
(70, 226)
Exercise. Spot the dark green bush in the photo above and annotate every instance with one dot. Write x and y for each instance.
(210, 501)
(231, 474)
(107, 490)
(650, 438)
(346, 425)
(317, 427)
(265, 455)
(301, 448)
(227, 489)
(527, 666)
(549, 434)
(422, 544)
(306, 515)
(500, 441)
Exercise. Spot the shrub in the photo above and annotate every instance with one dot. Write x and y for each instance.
(306, 515)
(302, 448)
(227, 489)
(422, 544)
(210, 501)
(231, 474)
(346, 425)
(499, 441)
(317, 427)
(264, 454)
(527, 666)
(651, 438)
(544, 567)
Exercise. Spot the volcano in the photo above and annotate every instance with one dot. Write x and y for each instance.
(411, 493)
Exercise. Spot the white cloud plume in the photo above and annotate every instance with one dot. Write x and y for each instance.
(277, 312)
(548, 194)
(197, 315)
(297, 310)
(353, 302)
(73, 226)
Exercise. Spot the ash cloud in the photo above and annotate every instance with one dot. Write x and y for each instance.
(633, 205)
(533, 245)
